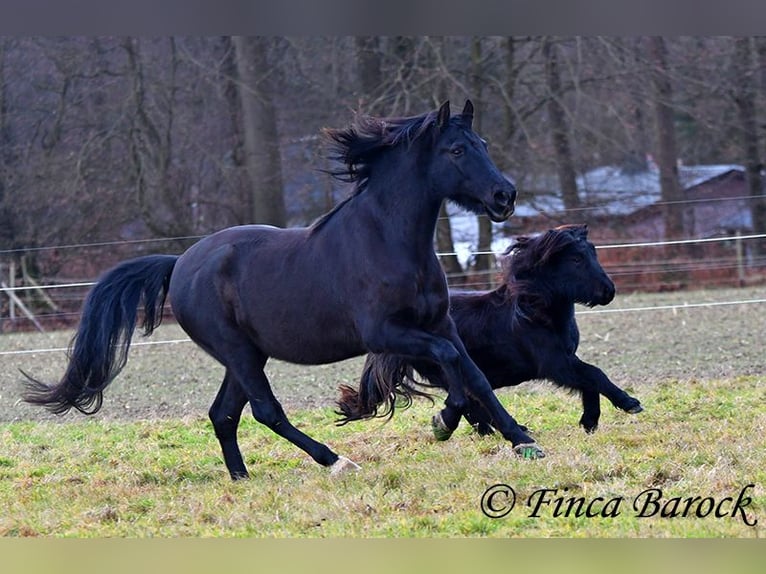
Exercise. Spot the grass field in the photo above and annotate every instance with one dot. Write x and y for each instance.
(149, 465)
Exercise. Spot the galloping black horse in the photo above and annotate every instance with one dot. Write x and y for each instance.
(523, 330)
(362, 278)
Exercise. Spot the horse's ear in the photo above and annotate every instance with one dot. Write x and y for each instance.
(468, 112)
(442, 118)
(582, 231)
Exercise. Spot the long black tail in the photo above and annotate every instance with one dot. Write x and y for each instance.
(99, 349)
(386, 380)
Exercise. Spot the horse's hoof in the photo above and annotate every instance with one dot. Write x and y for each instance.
(635, 410)
(589, 426)
(529, 451)
(441, 432)
(343, 466)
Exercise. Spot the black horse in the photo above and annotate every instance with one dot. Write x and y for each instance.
(523, 330)
(362, 278)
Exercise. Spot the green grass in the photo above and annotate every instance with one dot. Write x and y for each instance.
(148, 463)
(97, 478)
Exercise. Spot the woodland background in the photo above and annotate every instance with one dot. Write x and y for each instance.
(124, 145)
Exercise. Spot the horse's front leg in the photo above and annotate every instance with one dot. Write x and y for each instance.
(565, 370)
(479, 388)
(606, 387)
(462, 374)
(591, 382)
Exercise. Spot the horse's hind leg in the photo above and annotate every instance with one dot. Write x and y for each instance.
(225, 414)
(591, 411)
(246, 369)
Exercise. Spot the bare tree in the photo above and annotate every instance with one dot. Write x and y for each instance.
(84, 119)
(262, 152)
(444, 241)
(744, 98)
(667, 157)
(559, 126)
(6, 156)
(151, 146)
(484, 260)
(369, 65)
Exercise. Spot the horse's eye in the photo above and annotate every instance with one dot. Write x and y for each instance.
(457, 151)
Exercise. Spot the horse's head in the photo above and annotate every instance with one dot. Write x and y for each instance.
(564, 262)
(445, 158)
(461, 170)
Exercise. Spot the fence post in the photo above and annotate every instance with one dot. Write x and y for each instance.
(20, 303)
(740, 259)
(11, 284)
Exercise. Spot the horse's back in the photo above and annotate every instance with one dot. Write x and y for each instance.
(218, 259)
(266, 284)
(508, 351)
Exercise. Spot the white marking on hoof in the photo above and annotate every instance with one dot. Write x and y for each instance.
(343, 466)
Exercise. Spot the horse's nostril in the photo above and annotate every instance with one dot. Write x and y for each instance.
(503, 198)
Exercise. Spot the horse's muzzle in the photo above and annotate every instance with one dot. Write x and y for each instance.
(608, 291)
(502, 205)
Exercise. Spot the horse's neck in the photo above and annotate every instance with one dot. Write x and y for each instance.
(561, 313)
(406, 212)
(540, 305)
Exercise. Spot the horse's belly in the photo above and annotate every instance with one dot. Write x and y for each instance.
(310, 349)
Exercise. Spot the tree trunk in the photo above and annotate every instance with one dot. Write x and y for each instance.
(262, 156)
(509, 86)
(484, 261)
(744, 99)
(368, 60)
(6, 220)
(236, 153)
(560, 128)
(151, 152)
(402, 52)
(667, 157)
(444, 243)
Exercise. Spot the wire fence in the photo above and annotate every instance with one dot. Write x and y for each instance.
(641, 309)
(721, 270)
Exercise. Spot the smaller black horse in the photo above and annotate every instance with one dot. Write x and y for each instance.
(523, 330)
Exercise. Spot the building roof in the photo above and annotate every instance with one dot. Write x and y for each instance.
(609, 190)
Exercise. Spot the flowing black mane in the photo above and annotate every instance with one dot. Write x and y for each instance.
(358, 146)
(530, 252)
(525, 257)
